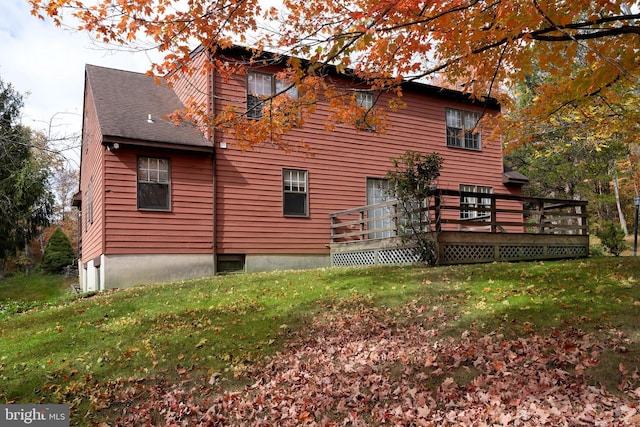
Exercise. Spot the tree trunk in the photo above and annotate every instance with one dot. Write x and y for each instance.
(623, 223)
(27, 256)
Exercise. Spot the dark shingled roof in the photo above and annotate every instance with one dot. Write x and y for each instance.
(512, 177)
(267, 58)
(124, 100)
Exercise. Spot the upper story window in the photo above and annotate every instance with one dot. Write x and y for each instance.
(364, 101)
(462, 129)
(295, 193)
(154, 184)
(260, 88)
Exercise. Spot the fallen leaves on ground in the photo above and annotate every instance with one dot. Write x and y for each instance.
(374, 366)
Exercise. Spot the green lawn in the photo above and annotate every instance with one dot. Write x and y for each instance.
(23, 291)
(76, 351)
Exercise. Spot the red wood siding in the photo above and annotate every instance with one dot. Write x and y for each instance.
(92, 171)
(512, 217)
(249, 184)
(187, 228)
(197, 86)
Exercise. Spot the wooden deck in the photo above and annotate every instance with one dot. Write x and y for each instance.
(499, 228)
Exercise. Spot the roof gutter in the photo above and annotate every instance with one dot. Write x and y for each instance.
(115, 142)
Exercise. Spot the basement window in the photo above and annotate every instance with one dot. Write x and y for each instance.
(227, 264)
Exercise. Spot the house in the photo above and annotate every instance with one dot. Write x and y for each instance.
(161, 202)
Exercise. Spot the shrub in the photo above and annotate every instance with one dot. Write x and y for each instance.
(58, 253)
(596, 250)
(411, 179)
(612, 237)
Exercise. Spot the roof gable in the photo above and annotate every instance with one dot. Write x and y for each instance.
(125, 101)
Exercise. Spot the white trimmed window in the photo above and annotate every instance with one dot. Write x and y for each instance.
(462, 129)
(260, 88)
(154, 184)
(295, 194)
(364, 100)
(469, 204)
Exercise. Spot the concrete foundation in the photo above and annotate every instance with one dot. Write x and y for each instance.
(255, 263)
(124, 271)
(92, 275)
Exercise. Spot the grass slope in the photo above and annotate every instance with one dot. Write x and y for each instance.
(24, 291)
(78, 352)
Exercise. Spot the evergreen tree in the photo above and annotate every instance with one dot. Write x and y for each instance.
(25, 201)
(58, 254)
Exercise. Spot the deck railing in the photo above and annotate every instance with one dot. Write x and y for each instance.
(451, 210)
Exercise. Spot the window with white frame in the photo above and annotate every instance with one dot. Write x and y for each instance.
(295, 192)
(260, 88)
(154, 184)
(472, 206)
(462, 129)
(364, 100)
(379, 218)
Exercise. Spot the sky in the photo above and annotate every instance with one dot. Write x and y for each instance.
(46, 64)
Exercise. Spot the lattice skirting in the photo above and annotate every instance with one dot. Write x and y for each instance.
(481, 253)
(519, 252)
(468, 253)
(463, 248)
(373, 257)
(568, 251)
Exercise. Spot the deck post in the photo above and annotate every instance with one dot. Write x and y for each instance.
(494, 220)
(332, 223)
(437, 200)
(541, 217)
(395, 218)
